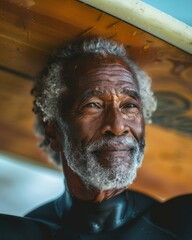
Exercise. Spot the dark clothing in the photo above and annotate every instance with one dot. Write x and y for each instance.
(128, 216)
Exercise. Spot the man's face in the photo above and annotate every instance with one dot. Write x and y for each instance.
(103, 139)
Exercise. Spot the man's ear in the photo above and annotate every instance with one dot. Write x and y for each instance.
(53, 135)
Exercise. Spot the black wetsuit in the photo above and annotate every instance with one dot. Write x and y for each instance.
(128, 216)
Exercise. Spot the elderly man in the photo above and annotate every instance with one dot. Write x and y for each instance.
(92, 103)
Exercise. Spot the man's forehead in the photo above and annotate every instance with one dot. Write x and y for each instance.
(98, 68)
(115, 69)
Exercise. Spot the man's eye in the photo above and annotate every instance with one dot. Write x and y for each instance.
(92, 105)
(130, 108)
(129, 105)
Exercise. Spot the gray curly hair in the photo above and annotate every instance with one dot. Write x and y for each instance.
(50, 83)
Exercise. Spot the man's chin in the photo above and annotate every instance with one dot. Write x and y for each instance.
(116, 180)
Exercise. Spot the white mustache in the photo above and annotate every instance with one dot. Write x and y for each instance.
(123, 141)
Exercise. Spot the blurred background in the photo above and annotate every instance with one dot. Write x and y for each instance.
(24, 185)
(29, 32)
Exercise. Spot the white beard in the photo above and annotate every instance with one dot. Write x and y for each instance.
(86, 164)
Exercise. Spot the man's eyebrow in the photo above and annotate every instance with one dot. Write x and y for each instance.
(95, 92)
(91, 93)
(131, 92)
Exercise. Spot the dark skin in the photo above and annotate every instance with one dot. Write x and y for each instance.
(104, 103)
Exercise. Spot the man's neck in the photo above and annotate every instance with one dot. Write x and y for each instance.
(107, 194)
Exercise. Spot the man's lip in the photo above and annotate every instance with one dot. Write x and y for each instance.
(111, 151)
(114, 149)
(121, 153)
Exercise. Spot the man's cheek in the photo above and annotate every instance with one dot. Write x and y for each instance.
(85, 128)
(137, 128)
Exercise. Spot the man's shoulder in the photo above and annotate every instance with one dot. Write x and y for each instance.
(47, 213)
(175, 215)
(20, 228)
(176, 208)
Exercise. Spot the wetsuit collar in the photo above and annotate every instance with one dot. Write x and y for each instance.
(92, 217)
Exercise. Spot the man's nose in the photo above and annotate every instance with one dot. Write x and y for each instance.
(114, 123)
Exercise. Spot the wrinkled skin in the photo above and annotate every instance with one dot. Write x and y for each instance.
(103, 102)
